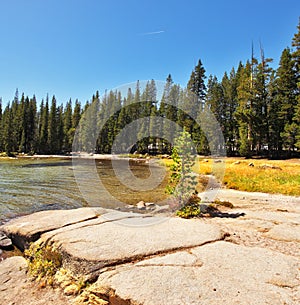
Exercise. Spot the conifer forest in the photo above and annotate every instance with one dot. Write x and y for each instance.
(256, 105)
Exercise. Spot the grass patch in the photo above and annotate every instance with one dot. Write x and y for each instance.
(45, 266)
(273, 177)
(282, 177)
(43, 262)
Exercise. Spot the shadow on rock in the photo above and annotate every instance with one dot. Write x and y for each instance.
(215, 212)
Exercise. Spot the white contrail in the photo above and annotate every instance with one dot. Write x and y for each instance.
(152, 33)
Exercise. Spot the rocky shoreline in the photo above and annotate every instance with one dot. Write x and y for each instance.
(122, 258)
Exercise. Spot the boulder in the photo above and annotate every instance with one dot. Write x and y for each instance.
(88, 247)
(216, 273)
(29, 228)
(285, 232)
(17, 288)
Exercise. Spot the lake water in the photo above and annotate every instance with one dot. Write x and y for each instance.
(29, 185)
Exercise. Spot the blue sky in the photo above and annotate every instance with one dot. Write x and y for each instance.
(71, 48)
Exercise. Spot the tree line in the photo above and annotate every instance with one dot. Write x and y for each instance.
(257, 108)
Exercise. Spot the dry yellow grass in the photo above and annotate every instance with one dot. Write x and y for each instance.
(276, 176)
(268, 176)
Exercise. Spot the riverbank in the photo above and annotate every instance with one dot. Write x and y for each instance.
(83, 156)
(251, 175)
(246, 255)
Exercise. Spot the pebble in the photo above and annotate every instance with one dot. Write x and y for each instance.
(5, 242)
(141, 205)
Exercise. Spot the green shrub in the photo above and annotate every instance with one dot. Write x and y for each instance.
(189, 211)
(44, 261)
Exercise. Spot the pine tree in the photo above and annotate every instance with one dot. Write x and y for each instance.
(168, 111)
(43, 127)
(60, 129)
(275, 128)
(148, 100)
(244, 112)
(89, 125)
(111, 116)
(215, 99)
(1, 127)
(230, 129)
(124, 118)
(296, 58)
(182, 183)
(192, 105)
(193, 101)
(16, 121)
(7, 130)
(67, 126)
(286, 84)
(261, 102)
(196, 85)
(76, 114)
(53, 137)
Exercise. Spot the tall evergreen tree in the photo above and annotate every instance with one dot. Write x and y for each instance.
(193, 102)
(7, 130)
(286, 96)
(53, 136)
(43, 127)
(261, 102)
(60, 129)
(68, 128)
(168, 110)
(296, 58)
(196, 84)
(230, 129)
(244, 112)
(148, 101)
(1, 127)
(17, 121)
(76, 114)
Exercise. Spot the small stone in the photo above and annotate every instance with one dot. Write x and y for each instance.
(129, 206)
(269, 166)
(2, 235)
(141, 205)
(161, 208)
(5, 243)
(251, 164)
(149, 204)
